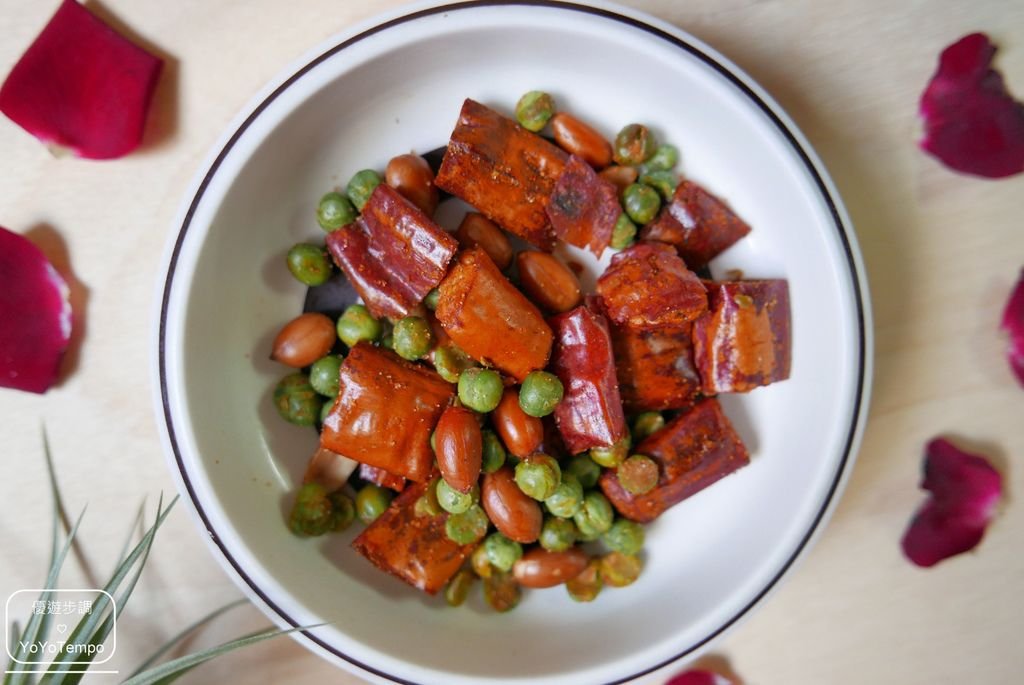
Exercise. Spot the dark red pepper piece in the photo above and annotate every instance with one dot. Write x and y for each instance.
(655, 368)
(583, 207)
(378, 476)
(648, 286)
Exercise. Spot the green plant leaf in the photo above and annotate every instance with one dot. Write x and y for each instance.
(83, 632)
(169, 645)
(172, 670)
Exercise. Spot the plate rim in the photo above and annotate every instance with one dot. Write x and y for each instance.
(679, 38)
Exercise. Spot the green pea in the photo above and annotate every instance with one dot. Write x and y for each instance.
(641, 202)
(610, 457)
(664, 158)
(501, 591)
(481, 563)
(372, 501)
(387, 341)
(453, 501)
(540, 393)
(567, 498)
(587, 585)
(638, 474)
(450, 362)
(584, 469)
(357, 324)
(624, 233)
(480, 389)
(595, 516)
(296, 400)
(557, 535)
(620, 570)
(647, 423)
(309, 264)
(665, 182)
(457, 590)
(317, 512)
(467, 527)
(325, 411)
(634, 144)
(361, 186)
(427, 504)
(334, 211)
(502, 552)
(538, 476)
(494, 452)
(413, 338)
(625, 537)
(430, 301)
(325, 374)
(534, 110)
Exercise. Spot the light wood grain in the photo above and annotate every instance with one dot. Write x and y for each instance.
(941, 251)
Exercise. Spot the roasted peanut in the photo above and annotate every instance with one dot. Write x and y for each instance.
(514, 513)
(579, 139)
(476, 229)
(541, 568)
(521, 433)
(459, 448)
(411, 176)
(548, 282)
(620, 176)
(303, 340)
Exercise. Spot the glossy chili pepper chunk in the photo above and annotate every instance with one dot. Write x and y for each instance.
(393, 254)
(504, 171)
(385, 411)
(590, 413)
(415, 549)
(583, 207)
(655, 368)
(378, 476)
(697, 224)
(744, 340)
(489, 319)
(648, 286)
(692, 451)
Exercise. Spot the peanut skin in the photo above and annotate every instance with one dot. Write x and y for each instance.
(540, 568)
(303, 340)
(548, 282)
(512, 511)
(459, 447)
(579, 139)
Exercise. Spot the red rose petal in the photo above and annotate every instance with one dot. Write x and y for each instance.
(965, 491)
(36, 316)
(698, 677)
(1013, 324)
(971, 123)
(82, 85)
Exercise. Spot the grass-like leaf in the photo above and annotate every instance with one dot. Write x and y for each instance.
(172, 670)
(170, 644)
(83, 632)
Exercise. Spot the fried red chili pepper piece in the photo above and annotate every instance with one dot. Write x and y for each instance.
(648, 286)
(655, 368)
(693, 451)
(329, 469)
(744, 339)
(385, 411)
(489, 319)
(590, 413)
(583, 207)
(503, 170)
(378, 476)
(697, 223)
(413, 548)
(393, 254)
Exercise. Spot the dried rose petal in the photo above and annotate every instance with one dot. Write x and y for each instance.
(965, 491)
(36, 316)
(971, 123)
(698, 677)
(1013, 324)
(81, 85)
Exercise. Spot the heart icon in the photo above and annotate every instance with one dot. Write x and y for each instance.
(61, 628)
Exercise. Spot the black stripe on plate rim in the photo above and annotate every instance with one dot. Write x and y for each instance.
(694, 51)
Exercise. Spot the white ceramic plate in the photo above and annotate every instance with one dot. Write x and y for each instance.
(397, 85)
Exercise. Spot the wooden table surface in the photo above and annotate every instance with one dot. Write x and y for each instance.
(941, 250)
